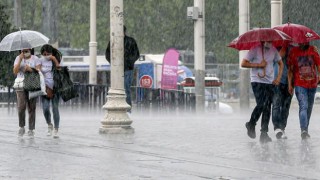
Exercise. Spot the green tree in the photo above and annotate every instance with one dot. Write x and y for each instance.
(6, 58)
(160, 24)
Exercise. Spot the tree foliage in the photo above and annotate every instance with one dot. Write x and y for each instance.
(160, 24)
(6, 58)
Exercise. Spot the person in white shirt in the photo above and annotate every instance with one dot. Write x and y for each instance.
(261, 60)
(50, 57)
(23, 63)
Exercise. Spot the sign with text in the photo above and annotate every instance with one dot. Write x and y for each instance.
(145, 75)
(146, 81)
(170, 69)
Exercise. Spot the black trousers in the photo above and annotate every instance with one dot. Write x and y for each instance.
(263, 94)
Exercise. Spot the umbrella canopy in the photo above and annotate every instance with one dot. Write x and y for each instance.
(299, 33)
(255, 36)
(24, 39)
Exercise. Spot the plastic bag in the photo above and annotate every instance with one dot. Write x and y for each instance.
(18, 84)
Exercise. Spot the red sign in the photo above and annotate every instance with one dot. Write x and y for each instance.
(146, 81)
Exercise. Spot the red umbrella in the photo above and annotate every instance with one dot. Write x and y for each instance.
(254, 37)
(299, 33)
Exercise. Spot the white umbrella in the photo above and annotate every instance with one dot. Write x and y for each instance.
(24, 39)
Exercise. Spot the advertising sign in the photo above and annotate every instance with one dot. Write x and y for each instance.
(170, 69)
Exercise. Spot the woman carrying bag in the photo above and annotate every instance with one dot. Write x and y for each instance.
(24, 63)
(51, 58)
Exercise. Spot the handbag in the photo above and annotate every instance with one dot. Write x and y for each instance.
(42, 92)
(49, 92)
(18, 83)
(63, 84)
(32, 80)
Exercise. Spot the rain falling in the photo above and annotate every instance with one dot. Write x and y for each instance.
(175, 126)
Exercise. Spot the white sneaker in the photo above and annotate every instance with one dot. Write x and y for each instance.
(21, 132)
(31, 133)
(55, 133)
(284, 135)
(50, 128)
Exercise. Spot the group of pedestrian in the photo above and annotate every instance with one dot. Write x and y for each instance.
(275, 75)
(24, 62)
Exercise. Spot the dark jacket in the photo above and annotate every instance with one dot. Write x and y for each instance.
(131, 53)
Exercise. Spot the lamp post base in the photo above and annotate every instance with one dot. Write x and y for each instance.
(116, 119)
(116, 130)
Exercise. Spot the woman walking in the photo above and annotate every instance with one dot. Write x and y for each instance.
(23, 63)
(51, 58)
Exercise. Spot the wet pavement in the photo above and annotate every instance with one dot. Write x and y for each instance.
(207, 146)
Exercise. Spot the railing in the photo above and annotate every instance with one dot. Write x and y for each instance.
(8, 98)
(143, 99)
(162, 101)
(89, 96)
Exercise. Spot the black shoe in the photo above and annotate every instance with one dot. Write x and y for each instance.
(251, 130)
(305, 135)
(264, 138)
(279, 133)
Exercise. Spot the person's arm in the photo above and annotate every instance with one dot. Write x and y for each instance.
(318, 68)
(280, 70)
(16, 68)
(54, 60)
(137, 53)
(108, 53)
(290, 79)
(247, 64)
(283, 51)
(38, 67)
(317, 59)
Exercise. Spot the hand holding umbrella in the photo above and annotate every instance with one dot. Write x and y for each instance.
(254, 38)
(263, 65)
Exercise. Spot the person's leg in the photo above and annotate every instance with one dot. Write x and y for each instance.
(128, 78)
(32, 112)
(285, 107)
(302, 96)
(46, 109)
(311, 94)
(276, 107)
(266, 101)
(21, 105)
(256, 113)
(55, 110)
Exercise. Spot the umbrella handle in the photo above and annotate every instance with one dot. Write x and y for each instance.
(264, 73)
(264, 68)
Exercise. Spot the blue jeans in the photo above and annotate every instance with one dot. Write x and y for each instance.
(55, 109)
(128, 78)
(305, 98)
(263, 94)
(280, 106)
